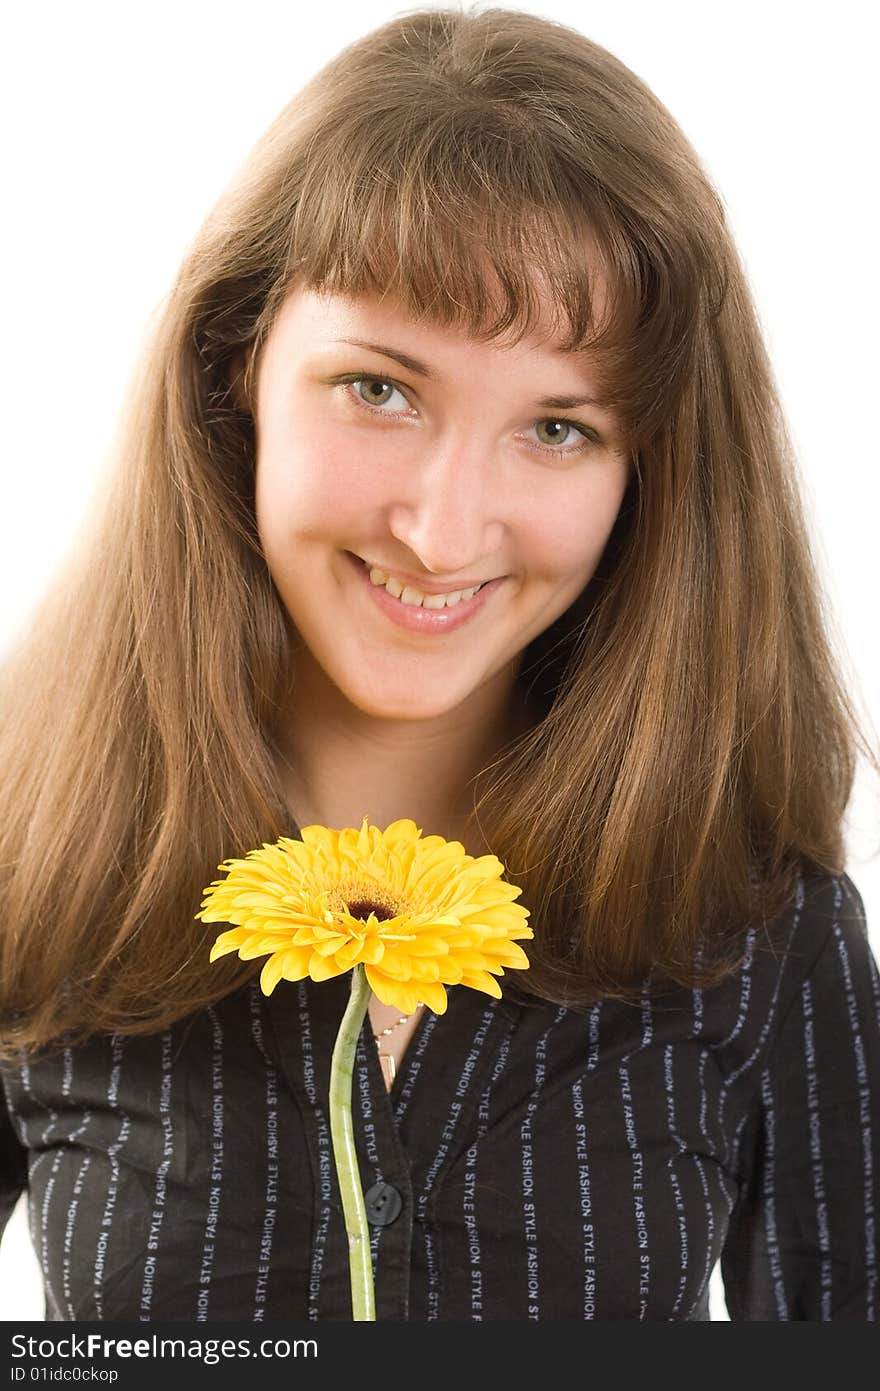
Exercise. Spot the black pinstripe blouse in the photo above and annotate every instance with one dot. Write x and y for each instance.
(530, 1162)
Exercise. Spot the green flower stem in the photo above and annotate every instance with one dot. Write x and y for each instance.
(344, 1153)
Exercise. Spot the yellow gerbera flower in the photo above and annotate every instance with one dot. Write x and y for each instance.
(420, 914)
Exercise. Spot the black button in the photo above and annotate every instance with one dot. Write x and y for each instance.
(383, 1203)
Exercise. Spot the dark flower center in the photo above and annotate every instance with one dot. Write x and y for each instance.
(363, 907)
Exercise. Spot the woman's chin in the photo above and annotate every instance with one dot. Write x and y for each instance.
(400, 704)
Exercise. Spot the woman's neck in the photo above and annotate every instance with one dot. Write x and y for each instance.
(339, 765)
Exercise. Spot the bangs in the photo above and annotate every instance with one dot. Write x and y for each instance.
(472, 262)
(471, 222)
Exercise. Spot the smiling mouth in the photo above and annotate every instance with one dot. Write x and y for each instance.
(414, 597)
(424, 614)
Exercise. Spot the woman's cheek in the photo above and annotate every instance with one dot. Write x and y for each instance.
(336, 482)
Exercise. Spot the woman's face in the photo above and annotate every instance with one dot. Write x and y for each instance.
(445, 469)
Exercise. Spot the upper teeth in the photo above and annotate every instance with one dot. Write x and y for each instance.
(407, 594)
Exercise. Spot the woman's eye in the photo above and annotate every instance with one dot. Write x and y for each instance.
(561, 429)
(378, 391)
(371, 396)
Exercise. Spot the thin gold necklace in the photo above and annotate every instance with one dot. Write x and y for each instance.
(386, 1060)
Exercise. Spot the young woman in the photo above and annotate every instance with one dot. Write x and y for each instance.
(470, 319)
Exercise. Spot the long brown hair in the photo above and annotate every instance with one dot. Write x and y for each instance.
(696, 745)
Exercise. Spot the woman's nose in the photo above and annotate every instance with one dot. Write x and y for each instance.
(452, 516)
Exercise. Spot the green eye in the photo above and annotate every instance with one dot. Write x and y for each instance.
(370, 399)
(373, 381)
(353, 382)
(566, 426)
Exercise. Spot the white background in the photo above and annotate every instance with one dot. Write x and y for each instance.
(123, 123)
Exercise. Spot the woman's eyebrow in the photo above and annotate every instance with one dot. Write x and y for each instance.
(413, 364)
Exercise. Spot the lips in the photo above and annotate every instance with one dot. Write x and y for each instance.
(414, 618)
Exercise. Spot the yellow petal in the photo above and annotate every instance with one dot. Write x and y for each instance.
(507, 954)
(271, 974)
(433, 995)
(261, 900)
(488, 866)
(482, 980)
(216, 913)
(498, 916)
(329, 946)
(396, 967)
(253, 947)
(227, 942)
(349, 953)
(450, 971)
(372, 950)
(400, 994)
(401, 832)
(297, 852)
(295, 963)
(428, 944)
(364, 842)
(423, 970)
(320, 838)
(304, 936)
(322, 967)
(471, 960)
